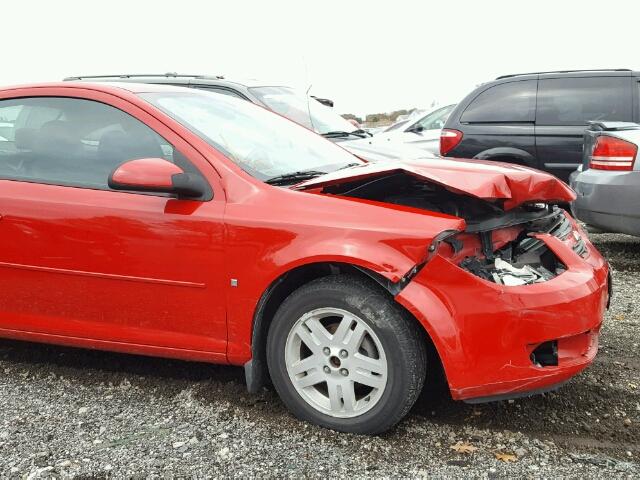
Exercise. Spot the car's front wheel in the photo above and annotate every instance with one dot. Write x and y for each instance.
(343, 355)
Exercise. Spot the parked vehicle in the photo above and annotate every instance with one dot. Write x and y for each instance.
(538, 119)
(422, 131)
(608, 181)
(312, 112)
(374, 130)
(173, 222)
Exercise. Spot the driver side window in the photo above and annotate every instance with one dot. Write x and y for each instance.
(72, 142)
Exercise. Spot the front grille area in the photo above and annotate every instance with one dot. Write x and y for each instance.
(562, 228)
(580, 247)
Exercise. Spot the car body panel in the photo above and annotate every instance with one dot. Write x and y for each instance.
(144, 262)
(608, 200)
(559, 148)
(487, 180)
(496, 336)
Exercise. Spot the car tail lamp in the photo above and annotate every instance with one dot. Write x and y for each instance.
(449, 139)
(611, 153)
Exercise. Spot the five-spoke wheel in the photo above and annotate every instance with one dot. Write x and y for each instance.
(344, 355)
(336, 362)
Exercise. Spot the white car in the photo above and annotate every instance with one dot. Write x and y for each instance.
(4, 126)
(421, 131)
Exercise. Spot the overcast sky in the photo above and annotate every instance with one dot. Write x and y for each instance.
(368, 56)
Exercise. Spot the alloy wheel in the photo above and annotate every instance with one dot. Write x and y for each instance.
(336, 362)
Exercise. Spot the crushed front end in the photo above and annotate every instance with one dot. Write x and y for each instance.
(515, 309)
(515, 301)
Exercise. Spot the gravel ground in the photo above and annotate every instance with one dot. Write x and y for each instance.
(85, 414)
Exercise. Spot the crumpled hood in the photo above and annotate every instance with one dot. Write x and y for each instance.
(487, 180)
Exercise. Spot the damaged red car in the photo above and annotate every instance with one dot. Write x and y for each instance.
(160, 221)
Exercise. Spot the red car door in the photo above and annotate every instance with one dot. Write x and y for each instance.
(79, 260)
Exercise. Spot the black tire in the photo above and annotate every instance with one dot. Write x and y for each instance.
(401, 339)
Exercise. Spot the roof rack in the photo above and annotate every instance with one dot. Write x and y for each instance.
(567, 71)
(137, 75)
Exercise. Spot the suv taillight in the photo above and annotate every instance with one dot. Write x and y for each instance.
(449, 139)
(611, 153)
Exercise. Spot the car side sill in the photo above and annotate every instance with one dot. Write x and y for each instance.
(114, 346)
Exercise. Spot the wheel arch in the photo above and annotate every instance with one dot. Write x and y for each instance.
(256, 372)
(517, 155)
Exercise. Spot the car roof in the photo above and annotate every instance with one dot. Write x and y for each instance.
(616, 72)
(585, 72)
(103, 86)
(213, 80)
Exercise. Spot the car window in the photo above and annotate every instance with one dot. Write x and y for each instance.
(575, 101)
(260, 142)
(436, 119)
(75, 142)
(503, 103)
(396, 125)
(302, 109)
(8, 117)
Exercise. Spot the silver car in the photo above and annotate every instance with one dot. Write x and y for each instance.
(608, 182)
(421, 130)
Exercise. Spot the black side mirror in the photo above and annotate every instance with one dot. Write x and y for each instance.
(417, 129)
(325, 101)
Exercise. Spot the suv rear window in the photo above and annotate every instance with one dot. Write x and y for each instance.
(504, 103)
(574, 101)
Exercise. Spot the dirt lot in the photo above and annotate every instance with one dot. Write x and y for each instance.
(86, 414)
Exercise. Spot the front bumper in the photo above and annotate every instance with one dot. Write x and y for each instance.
(485, 332)
(608, 200)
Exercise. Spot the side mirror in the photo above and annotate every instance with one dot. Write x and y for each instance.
(416, 129)
(156, 175)
(325, 101)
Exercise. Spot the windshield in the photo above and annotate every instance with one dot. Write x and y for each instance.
(302, 109)
(263, 144)
(436, 119)
(395, 126)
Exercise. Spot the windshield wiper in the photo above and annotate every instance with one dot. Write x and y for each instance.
(293, 177)
(362, 132)
(342, 134)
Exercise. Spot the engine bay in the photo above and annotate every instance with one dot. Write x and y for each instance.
(521, 260)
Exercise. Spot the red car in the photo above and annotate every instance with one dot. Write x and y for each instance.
(180, 223)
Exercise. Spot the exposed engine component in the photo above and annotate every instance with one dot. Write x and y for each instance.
(405, 189)
(507, 274)
(504, 273)
(523, 261)
(527, 259)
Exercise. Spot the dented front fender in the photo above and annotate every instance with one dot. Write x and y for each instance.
(485, 332)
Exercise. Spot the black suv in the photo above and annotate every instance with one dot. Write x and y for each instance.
(539, 119)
